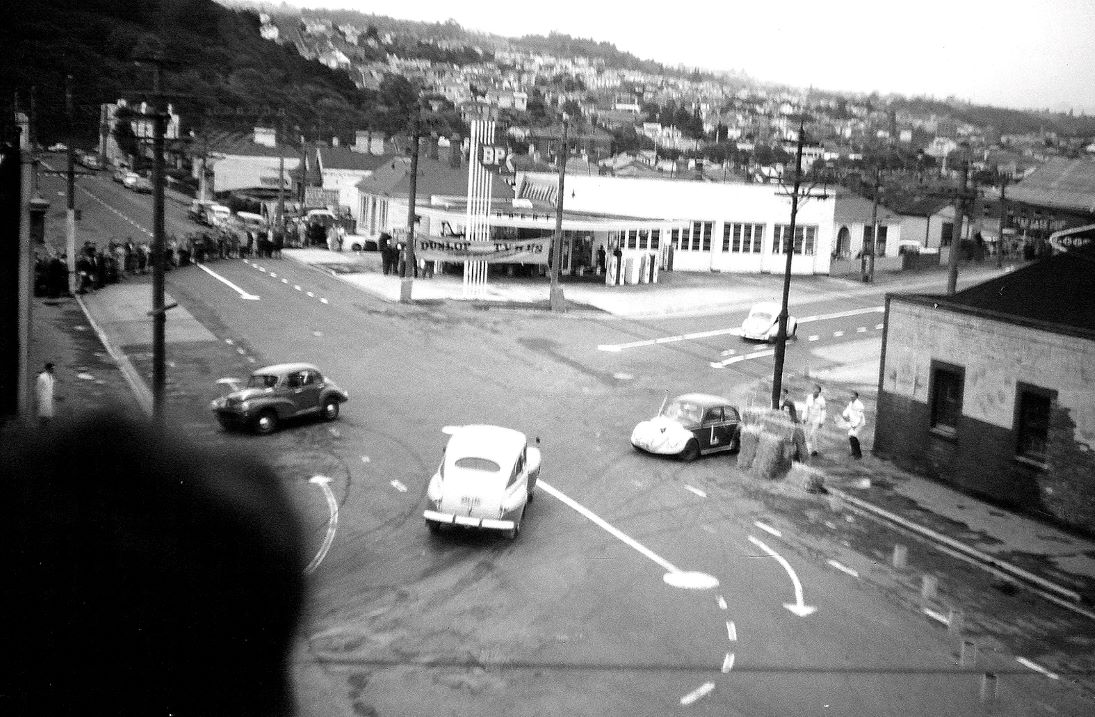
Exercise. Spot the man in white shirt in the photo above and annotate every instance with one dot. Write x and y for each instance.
(856, 415)
(814, 418)
(44, 393)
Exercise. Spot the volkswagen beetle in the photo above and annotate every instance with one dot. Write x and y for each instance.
(276, 393)
(690, 425)
(486, 480)
(762, 323)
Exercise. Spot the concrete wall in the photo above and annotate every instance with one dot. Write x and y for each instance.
(716, 202)
(981, 457)
(345, 181)
(247, 172)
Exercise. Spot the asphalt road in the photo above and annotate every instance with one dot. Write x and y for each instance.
(573, 617)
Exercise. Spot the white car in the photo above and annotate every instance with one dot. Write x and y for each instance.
(486, 480)
(762, 323)
(690, 425)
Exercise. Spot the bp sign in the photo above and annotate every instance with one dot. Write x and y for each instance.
(496, 159)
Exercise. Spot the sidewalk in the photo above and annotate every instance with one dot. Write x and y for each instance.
(675, 294)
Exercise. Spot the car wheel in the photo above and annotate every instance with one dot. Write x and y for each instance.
(735, 443)
(330, 410)
(267, 422)
(513, 532)
(225, 423)
(691, 451)
(434, 526)
(355, 247)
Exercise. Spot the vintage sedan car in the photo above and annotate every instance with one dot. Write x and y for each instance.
(689, 426)
(276, 393)
(486, 479)
(143, 185)
(762, 323)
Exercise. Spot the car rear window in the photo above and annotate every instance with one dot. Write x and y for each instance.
(478, 464)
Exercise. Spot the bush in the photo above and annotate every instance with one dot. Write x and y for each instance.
(747, 449)
(770, 461)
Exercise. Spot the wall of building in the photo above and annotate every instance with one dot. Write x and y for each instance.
(247, 172)
(981, 457)
(345, 181)
(717, 202)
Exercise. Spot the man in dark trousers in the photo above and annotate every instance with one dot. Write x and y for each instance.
(384, 244)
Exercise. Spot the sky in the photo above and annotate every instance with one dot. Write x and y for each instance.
(1027, 54)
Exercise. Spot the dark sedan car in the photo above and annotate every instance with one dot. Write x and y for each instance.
(276, 393)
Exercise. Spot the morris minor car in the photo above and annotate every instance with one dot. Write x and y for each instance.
(277, 393)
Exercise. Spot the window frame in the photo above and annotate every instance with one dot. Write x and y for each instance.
(1022, 390)
(935, 426)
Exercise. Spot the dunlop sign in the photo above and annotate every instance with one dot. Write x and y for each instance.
(458, 250)
(496, 159)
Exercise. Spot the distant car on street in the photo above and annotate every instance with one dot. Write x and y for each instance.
(216, 215)
(119, 174)
(762, 323)
(59, 147)
(689, 426)
(274, 394)
(143, 185)
(196, 210)
(130, 179)
(91, 161)
(486, 480)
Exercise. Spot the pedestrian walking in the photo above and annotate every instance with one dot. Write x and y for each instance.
(856, 416)
(44, 393)
(787, 405)
(814, 418)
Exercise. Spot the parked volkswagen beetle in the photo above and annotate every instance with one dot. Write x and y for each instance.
(762, 323)
(690, 425)
(276, 393)
(486, 480)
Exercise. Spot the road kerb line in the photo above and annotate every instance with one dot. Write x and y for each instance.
(1037, 668)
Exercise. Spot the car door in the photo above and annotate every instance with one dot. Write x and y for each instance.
(710, 435)
(304, 390)
(728, 431)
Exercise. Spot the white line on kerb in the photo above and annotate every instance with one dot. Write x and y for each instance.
(843, 314)
(697, 693)
(744, 357)
(697, 491)
(767, 528)
(843, 568)
(1037, 668)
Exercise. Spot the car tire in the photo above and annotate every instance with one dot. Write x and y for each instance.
(330, 409)
(434, 526)
(691, 451)
(225, 423)
(513, 532)
(355, 247)
(266, 422)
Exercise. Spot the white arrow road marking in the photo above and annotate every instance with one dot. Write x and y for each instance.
(399, 486)
(674, 576)
(843, 314)
(731, 631)
(1037, 668)
(670, 339)
(843, 568)
(324, 484)
(728, 663)
(744, 357)
(697, 693)
(243, 294)
(798, 607)
(697, 491)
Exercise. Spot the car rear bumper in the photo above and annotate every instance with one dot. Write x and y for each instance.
(468, 521)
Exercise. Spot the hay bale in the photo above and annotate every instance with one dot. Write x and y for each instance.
(811, 479)
(747, 449)
(769, 462)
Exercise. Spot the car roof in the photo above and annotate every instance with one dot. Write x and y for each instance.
(485, 441)
(704, 399)
(282, 368)
(766, 306)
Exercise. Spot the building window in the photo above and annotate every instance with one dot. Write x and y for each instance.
(701, 236)
(880, 243)
(745, 238)
(945, 392)
(708, 228)
(644, 238)
(804, 243)
(655, 238)
(632, 239)
(727, 228)
(946, 234)
(675, 238)
(1032, 407)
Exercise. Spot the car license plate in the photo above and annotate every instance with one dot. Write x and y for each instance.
(470, 501)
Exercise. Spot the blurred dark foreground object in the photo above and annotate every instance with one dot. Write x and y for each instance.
(145, 575)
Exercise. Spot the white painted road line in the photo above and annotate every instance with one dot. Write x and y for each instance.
(798, 607)
(722, 602)
(310, 295)
(284, 281)
(324, 484)
(324, 301)
(744, 357)
(273, 275)
(861, 330)
(1037, 668)
(728, 663)
(843, 314)
(843, 568)
(736, 331)
(838, 333)
(815, 337)
(879, 326)
(296, 286)
(937, 616)
(697, 491)
(399, 486)
(697, 693)
(243, 294)
(731, 631)
(767, 528)
(684, 578)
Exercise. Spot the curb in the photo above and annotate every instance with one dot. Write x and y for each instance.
(969, 552)
(140, 390)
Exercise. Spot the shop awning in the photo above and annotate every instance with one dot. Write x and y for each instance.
(455, 212)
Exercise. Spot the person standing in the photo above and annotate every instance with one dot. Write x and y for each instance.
(44, 393)
(787, 405)
(814, 418)
(856, 416)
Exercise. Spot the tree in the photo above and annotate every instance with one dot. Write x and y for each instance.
(123, 132)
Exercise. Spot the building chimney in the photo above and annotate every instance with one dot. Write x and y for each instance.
(334, 141)
(361, 141)
(376, 144)
(266, 136)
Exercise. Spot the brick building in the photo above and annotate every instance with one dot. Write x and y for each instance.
(992, 390)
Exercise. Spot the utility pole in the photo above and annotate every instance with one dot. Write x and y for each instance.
(869, 248)
(159, 311)
(555, 293)
(70, 188)
(959, 220)
(789, 244)
(412, 190)
(1003, 220)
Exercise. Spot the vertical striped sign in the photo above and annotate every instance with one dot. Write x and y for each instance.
(477, 220)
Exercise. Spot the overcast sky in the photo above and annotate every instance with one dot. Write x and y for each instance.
(1015, 53)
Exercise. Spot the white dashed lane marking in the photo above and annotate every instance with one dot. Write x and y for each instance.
(838, 333)
(698, 693)
(1037, 668)
(843, 568)
(697, 491)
